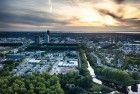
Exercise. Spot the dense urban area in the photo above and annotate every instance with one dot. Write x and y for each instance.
(69, 63)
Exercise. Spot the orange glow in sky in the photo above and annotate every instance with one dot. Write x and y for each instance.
(58, 14)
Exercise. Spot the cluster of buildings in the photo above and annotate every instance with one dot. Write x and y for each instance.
(39, 61)
(64, 61)
(31, 66)
(61, 62)
(53, 62)
(15, 57)
(22, 40)
(46, 38)
(131, 48)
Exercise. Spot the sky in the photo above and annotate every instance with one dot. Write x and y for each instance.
(70, 15)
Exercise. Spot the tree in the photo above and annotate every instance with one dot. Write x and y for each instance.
(31, 84)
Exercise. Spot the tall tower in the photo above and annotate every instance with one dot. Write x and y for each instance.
(48, 36)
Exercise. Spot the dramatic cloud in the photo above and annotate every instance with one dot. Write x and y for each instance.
(74, 14)
(119, 1)
(32, 19)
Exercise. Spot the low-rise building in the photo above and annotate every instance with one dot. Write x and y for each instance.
(15, 57)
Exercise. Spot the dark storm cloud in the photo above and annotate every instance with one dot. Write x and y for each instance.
(132, 22)
(119, 1)
(28, 13)
(35, 13)
(3, 5)
(107, 12)
(36, 18)
(5, 25)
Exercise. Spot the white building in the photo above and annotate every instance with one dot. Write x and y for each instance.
(34, 61)
(69, 63)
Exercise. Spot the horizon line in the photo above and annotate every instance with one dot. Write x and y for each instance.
(55, 31)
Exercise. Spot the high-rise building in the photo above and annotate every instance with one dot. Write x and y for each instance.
(48, 36)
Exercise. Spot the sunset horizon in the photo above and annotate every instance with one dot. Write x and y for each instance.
(70, 15)
(69, 46)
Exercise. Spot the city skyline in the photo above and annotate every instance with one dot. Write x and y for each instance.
(70, 15)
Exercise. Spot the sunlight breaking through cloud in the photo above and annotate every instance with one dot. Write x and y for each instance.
(100, 13)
